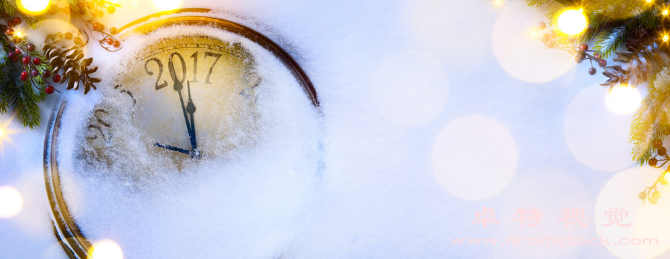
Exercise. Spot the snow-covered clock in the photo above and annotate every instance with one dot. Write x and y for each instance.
(196, 103)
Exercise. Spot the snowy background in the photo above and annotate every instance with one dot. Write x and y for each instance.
(431, 111)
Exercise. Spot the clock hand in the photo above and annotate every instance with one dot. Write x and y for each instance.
(177, 87)
(173, 148)
(190, 108)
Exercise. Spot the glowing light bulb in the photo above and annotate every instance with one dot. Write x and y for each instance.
(533, 34)
(106, 249)
(623, 100)
(167, 4)
(648, 1)
(34, 6)
(18, 34)
(572, 22)
(10, 202)
(665, 12)
(665, 38)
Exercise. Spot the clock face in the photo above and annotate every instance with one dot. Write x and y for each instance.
(197, 128)
(184, 102)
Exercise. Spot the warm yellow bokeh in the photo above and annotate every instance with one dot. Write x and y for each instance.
(106, 249)
(623, 100)
(33, 6)
(572, 22)
(11, 202)
(167, 5)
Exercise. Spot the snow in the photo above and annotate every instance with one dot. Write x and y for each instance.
(361, 183)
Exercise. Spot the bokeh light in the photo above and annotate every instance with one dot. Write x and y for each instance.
(167, 5)
(480, 176)
(665, 12)
(2, 132)
(106, 249)
(33, 6)
(572, 22)
(523, 57)
(647, 221)
(623, 100)
(11, 202)
(597, 137)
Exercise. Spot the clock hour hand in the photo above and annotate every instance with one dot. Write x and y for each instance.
(173, 148)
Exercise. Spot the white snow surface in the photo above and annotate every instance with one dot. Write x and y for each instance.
(359, 179)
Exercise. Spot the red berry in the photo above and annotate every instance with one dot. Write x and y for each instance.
(110, 41)
(10, 24)
(98, 26)
(597, 55)
(49, 89)
(653, 162)
(17, 20)
(580, 57)
(91, 5)
(551, 44)
(11, 55)
(77, 41)
(17, 50)
(24, 75)
(56, 78)
(26, 60)
(117, 44)
(113, 30)
(657, 143)
(68, 35)
(15, 58)
(37, 61)
(552, 34)
(592, 71)
(10, 31)
(35, 73)
(31, 47)
(642, 195)
(602, 63)
(545, 37)
(583, 47)
(541, 25)
(46, 73)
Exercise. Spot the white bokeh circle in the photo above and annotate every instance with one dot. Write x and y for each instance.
(11, 202)
(439, 27)
(410, 88)
(648, 221)
(597, 137)
(474, 157)
(522, 56)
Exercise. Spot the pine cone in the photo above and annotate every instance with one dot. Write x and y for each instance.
(76, 70)
(637, 62)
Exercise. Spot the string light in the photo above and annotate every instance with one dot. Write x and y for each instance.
(167, 5)
(498, 2)
(10, 202)
(648, 1)
(34, 6)
(106, 249)
(572, 22)
(665, 12)
(18, 34)
(665, 38)
(533, 34)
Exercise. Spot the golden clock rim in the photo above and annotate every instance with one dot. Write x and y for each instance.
(66, 230)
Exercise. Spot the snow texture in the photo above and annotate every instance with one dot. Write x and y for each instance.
(363, 179)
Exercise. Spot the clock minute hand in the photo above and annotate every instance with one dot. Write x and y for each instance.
(190, 108)
(177, 87)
